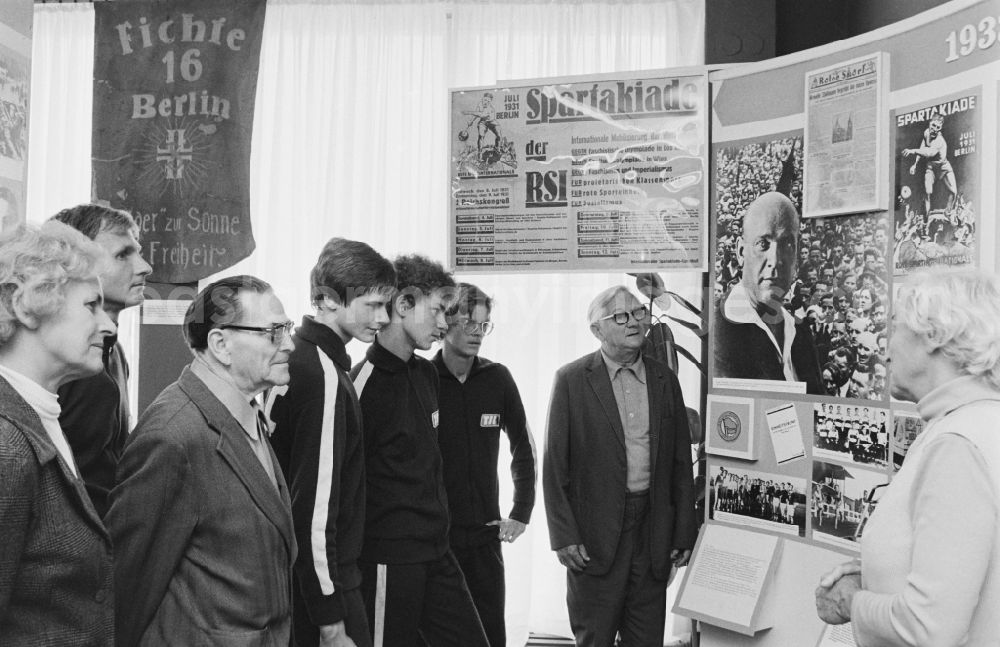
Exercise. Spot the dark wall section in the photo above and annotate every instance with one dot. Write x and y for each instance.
(803, 25)
(741, 31)
(866, 15)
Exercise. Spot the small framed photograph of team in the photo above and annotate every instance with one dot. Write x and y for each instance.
(851, 433)
(775, 502)
(843, 497)
(730, 430)
(905, 429)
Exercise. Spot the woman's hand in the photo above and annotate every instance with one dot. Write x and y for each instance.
(836, 591)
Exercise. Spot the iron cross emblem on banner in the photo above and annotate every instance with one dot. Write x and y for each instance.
(175, 153)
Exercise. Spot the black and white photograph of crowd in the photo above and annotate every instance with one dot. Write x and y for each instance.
(840, 285)
(771, 501)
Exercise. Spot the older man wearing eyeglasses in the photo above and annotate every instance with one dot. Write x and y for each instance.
(617, 480)
(201, 517)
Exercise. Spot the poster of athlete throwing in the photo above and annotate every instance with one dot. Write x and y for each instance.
(937, 183)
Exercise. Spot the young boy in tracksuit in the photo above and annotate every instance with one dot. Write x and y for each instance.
(478, 398)
(413, 587)
(319, 443)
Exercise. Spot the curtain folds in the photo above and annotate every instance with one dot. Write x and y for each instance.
(350, 139)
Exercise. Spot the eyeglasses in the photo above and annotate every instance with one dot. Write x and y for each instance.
(276, 333)
(621, 318)
(470, 327)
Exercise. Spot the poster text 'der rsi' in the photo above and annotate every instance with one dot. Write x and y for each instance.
(584, 174)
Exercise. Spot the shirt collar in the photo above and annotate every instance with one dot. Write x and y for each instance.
(45, 402)
(386, 360)
(328, 341)
(737, 308)
(231, 398)
(953, 394)
(638, 367)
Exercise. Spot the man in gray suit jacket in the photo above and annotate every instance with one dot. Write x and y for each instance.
(201, 518)
(617, 478)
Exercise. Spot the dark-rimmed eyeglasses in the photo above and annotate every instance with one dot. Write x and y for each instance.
(275, 333)
(621, 317)
(470, 327)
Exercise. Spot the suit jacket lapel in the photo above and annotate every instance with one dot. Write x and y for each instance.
(236, 452)
(21, 414)
(597, 376)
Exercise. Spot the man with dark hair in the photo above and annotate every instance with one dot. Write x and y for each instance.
(755, 337)
(318, 440)
(201, 518)
(95, 410)
(412, 585)
(478, 399)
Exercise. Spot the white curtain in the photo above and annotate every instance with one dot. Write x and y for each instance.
(350, 139)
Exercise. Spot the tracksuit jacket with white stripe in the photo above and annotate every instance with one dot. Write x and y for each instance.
(407, 514)
(319, 443)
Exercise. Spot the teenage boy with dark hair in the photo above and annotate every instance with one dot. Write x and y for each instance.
(94, 410)
(318, 440)
(478, 398)
(412, 584)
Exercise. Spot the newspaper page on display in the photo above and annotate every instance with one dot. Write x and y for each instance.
(589, 174)
(844, 137)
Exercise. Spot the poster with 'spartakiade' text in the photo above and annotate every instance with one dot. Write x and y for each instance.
(174, 87)
(589, 174)
(937, 183)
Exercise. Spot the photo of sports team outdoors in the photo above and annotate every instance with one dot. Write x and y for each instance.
(773, 502)
(851, 433)
(836, 284)
(843, 497)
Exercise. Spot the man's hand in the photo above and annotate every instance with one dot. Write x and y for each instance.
(334, 636)
(509, 529)
(836, 591)
(573, 557)
(680, 557)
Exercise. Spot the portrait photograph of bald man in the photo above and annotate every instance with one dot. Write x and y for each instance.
(796, 300)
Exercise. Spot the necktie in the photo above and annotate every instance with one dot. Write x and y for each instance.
(259, 444)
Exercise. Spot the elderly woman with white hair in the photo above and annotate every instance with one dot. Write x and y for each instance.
(929, 573)
(56, 572)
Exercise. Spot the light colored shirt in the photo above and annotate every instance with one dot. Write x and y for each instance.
(930, 553)
(241, 408)
(738, 309)
(46, 405)
(629, 384)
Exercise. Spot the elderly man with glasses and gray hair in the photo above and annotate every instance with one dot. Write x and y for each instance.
(617, 479)
(201, 517)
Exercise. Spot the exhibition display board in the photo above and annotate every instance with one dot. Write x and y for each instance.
(870, 155)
